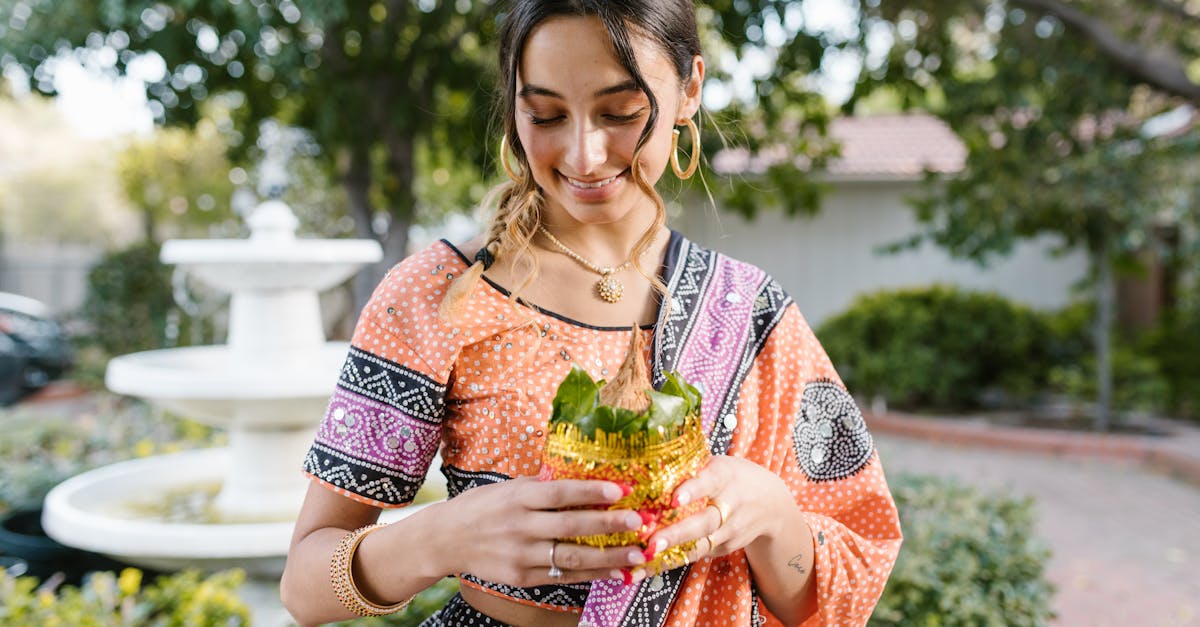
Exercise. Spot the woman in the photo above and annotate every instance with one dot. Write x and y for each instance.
(800, 527)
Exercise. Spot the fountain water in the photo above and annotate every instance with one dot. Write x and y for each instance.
(268, 387)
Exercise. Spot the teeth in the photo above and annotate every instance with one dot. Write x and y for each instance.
(581, 184)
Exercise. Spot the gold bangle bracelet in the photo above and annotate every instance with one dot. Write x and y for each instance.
(341, 575)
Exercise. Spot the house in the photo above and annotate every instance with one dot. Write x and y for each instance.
(827, 260)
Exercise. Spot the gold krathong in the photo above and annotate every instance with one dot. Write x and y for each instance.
(653, 464)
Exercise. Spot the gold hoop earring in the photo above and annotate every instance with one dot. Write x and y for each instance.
(695, 160)
(508, 169)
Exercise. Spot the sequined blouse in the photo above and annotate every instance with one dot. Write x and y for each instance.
(479, 388)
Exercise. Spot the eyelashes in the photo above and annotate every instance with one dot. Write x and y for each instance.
(612, 117)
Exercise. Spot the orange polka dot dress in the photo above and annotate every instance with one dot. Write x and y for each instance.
(479, 389)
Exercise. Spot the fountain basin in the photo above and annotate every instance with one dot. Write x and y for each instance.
(235, 265)
(92, 511)
(218, 385)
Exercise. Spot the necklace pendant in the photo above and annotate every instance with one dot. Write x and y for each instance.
(609, 289)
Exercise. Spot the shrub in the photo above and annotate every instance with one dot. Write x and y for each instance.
(180, 600)
(967, 559)
(1071, 360)
(1174, 344)
(40, 451)
(936, 346)
(130, 304)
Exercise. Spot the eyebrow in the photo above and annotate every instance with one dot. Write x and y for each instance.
(534, 90)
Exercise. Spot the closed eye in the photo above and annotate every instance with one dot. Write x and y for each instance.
(536, 121)
(627, 118)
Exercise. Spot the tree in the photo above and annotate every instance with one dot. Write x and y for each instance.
(1054, 100)
(179, 178)
(396, 90)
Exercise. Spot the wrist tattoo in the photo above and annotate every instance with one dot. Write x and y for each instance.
(797, 563)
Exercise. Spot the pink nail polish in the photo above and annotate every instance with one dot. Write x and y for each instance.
(683, 498)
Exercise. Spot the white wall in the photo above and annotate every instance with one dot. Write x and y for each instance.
(53, 273)
(827, 260)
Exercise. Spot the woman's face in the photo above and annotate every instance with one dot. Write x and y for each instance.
(579, 115)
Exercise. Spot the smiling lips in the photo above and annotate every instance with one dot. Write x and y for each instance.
(578, 184)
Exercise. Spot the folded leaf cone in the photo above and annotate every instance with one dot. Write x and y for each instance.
(628, 432)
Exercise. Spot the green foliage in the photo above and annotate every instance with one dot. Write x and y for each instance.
(422, 607)
(107, 600)
(129, 304)
(178, 179)
(1138, 384)
(396, 94)
(1174, 344)
(40, 451)
(967, 559)
(935, 347)
(577, 402)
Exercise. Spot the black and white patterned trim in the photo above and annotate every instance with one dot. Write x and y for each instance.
(378, 379)
(459, 480)
(563, 596)
(360, 477)
(830, 437)
(687, 284)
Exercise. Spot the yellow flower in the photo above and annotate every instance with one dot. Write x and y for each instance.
(45, 598)
(143, 448)
(130, 581)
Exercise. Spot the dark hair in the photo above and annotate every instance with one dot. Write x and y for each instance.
(671, 24)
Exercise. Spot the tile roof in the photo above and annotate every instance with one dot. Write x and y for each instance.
(895, 146)
(879, 147)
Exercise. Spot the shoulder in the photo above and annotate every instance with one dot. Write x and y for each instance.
(440, 257)
(698, 268)
(411, 291)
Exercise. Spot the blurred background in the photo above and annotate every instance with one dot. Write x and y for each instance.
(987, 210)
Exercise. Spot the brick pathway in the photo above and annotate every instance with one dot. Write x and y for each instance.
(1125, 539)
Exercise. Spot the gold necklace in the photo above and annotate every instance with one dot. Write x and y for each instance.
(608, 288)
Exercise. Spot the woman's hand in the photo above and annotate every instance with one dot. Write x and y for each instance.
(745, 504)
(505, 532)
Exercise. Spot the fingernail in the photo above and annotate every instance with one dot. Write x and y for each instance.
(633, 521)
(611, 492)
(626, 489)
(616, 574)
(638, 575)
(637, 559)
(682, 498)
(660, 545)
(647, 518)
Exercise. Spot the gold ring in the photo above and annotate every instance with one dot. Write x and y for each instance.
(722, 509)
(711, 544)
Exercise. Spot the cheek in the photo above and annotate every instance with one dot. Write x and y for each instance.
(540, 148)
(657, 151)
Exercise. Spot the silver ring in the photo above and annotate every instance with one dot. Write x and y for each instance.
(555, 572)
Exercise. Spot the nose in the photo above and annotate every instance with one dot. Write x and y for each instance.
(588, 149)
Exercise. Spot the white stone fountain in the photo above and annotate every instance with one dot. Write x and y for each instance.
(268, 387)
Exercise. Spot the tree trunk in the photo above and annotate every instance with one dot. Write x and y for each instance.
(357, 181)
(1105, 308)
(148, 226)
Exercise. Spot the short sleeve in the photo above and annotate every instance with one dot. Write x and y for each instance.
(812, 434)
(383, 424)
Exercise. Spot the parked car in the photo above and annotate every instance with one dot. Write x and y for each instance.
(33, 347)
